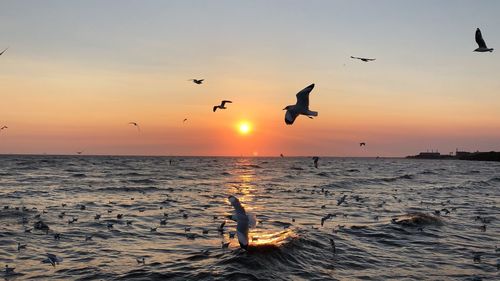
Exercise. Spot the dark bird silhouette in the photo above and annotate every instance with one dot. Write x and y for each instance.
(222, 105)
(185, 119)
(281, 155)
(3, 127)
(301, 107)
(3, 51)
(197, 81)
(136, 125)
(315, 159)
(362, 144)
(9, 270)
(362, 59)
(480, 42)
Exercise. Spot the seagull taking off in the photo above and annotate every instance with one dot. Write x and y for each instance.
(3, 51)
(243, 220)
(315, 159)
(221, 106)
(301, 107)
(197, 81)
(362, 59)
(136, 125)
(362, 144)
(480, 42)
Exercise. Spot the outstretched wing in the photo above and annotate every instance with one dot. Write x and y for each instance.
(225, 101)
(303, 97)
(215, 107)
(242, 221)
(479, 39)
(290, 117)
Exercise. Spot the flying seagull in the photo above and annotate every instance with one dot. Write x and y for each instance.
(301, 107)
(135, 124)
(197, 81)
(243, 220)
(315, 158)
(480, 42)
(3, 127)
(362, 144)
(185, 119)
(362, 59)
(221, 106)
(79, 152)
(3, 51)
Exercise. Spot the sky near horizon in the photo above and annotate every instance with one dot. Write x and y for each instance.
(76, 72)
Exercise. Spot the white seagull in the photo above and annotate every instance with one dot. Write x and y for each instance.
(243, 220)
(301, 107)
(480, 42)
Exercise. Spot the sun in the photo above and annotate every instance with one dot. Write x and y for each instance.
(244, 128)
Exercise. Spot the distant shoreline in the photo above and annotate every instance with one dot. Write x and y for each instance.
(459, 155)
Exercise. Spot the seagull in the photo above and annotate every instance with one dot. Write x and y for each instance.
(480, 42)
(9, 270)
(362, 59)
(301, 107)
(315, 158)
(88, 237)
(135, 124)
(52, 259)
(185, 119)
(3, 51)
(341, 200)
(221, 106)
(20, 246)
(362, 144)
(140, 260)
(243, 220)
(197, 81)
(220, 228)
(281, 155)
(3, 127)
(79, 152)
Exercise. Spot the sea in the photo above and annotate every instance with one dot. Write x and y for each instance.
(167, 218)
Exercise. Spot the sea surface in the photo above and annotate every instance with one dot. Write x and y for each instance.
(388, 228)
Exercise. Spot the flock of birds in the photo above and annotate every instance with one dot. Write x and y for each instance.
(243, 219)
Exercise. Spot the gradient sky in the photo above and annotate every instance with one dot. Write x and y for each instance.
(78, 71)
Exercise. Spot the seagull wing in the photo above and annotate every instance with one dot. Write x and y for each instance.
(242, 222)
(215, 107)
(290, 117)
(303, 97)
(479, 39)
(225, 101)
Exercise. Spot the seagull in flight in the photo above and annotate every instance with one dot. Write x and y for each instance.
(480, 42)
(301, 107)
(222, 105)
(3, 127)
(185, 119)
(79, 152)
(135, 124)
(3, 51)
(362, 59)
(197, 81)
(243, 220)
(362, 144)
(315, 159)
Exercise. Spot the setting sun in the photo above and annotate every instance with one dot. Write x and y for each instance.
(244, 128)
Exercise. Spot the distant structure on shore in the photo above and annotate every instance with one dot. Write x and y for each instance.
(459, 155)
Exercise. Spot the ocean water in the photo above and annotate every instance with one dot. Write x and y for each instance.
(387, 228)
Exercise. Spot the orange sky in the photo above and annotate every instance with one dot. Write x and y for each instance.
(77, 87)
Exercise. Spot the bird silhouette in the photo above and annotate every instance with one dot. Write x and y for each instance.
(480, 42)
(222, 105)
(301, 107)
(197, 81)
(362, 59)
